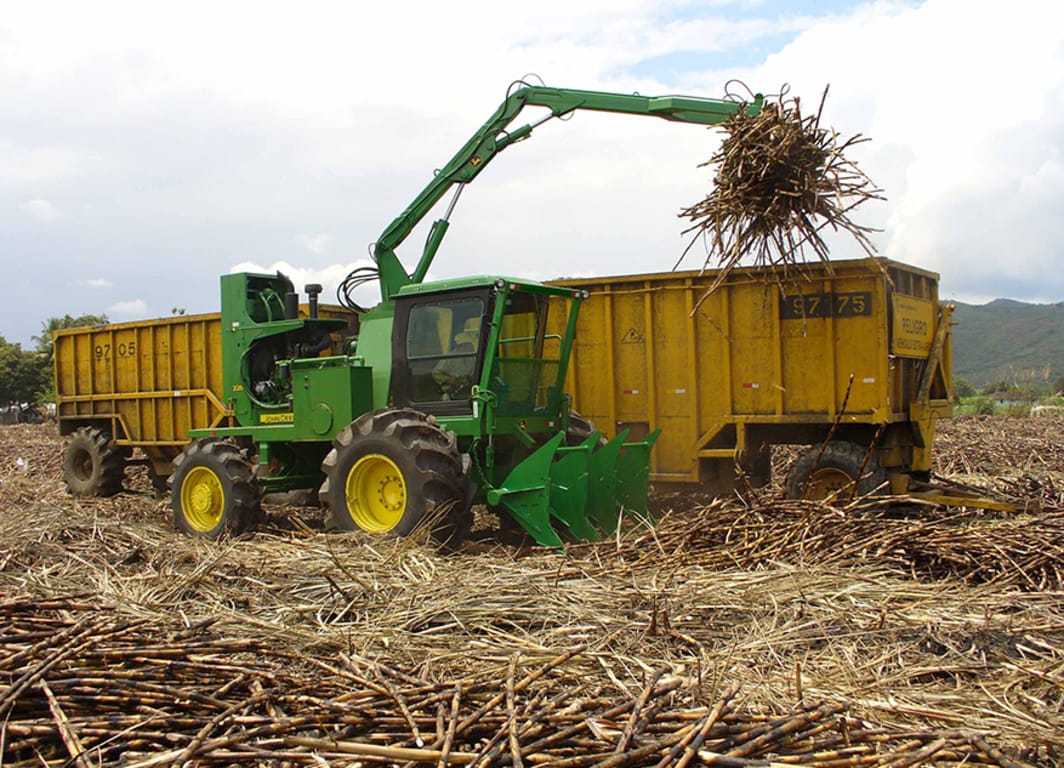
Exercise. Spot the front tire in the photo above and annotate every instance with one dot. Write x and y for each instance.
(214, 490)
(92, 464)
(392, 470)
(839, 471)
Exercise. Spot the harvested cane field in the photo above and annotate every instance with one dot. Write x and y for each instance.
(745, 632)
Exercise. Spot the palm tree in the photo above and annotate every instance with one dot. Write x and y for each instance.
(53, 324)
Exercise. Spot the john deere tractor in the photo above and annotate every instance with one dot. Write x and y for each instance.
(450, 393)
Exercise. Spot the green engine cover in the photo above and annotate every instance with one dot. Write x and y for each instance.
(328, 393)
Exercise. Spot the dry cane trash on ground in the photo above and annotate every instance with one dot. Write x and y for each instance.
(741, 632)
(115, 692)
(780, 178)
(737, 632)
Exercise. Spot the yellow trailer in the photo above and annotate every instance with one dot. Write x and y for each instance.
(854, 361)
(140, 385)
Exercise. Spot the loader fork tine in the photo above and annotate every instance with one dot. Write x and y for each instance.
(633, 475)
(602, 502)
(570, 489)
(526, 493)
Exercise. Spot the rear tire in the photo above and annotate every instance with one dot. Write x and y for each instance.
(394, 470)
(92, 464)
(839, 470)
(214, 490)
(580, 429)
(160, 484)
(756, 466)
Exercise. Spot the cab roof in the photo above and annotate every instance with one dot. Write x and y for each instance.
(485, 281)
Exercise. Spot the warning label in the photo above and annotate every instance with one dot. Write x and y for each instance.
(913, 329)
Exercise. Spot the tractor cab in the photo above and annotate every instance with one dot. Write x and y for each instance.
(477, 342)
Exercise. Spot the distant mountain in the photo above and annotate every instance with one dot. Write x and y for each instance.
(1008, 340)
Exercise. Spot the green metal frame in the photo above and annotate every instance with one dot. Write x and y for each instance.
(493, 137)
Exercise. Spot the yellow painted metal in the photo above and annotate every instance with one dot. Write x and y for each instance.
(202, 499)
(149, 382)
(376, 493)
(913, 327)
(954, 500)
(760, 351)
(154, 380)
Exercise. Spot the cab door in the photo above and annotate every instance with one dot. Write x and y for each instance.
(438, 350)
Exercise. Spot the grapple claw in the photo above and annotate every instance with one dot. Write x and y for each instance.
(569, 488)
(602, 506)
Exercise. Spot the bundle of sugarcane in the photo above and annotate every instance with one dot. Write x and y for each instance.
(780, 179)
(87, 688)
(1024, 553)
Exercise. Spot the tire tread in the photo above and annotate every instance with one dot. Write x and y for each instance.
(441, 481)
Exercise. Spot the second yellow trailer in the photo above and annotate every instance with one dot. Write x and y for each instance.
(852, 359)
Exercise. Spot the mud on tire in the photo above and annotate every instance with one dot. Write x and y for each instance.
(580, 429)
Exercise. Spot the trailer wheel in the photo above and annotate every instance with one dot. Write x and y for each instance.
(756, 465)
(394, 470)
(92, 464)
(839, 471)
(580, 429)
(160, 484)
(214, 490)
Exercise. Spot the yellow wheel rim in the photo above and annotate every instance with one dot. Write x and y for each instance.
(202, 499)
(376, 493)
(828, 482)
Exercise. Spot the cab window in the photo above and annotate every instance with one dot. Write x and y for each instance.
(442, 348)
(525, 378)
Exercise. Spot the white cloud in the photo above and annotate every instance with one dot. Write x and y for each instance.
(40, 209)
(317, 244)
(194, 158)
(96, 282)
(959, 132)
(329, 277)
(21, 165)
(131, 308)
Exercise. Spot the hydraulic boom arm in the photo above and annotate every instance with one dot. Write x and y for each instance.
(493, 137)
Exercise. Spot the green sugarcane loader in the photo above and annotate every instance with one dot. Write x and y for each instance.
(450, 394)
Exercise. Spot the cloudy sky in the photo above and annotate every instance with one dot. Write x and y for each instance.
(146, 148)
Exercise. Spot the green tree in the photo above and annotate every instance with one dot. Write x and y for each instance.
(45, 343)
(962, 388)
(998, 386)
(22, 376)
(53, 324)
